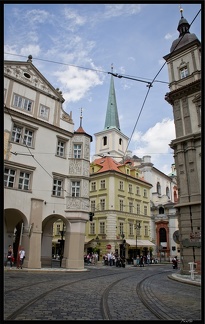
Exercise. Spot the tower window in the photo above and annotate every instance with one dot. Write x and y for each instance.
(105, 140)
(184, 72)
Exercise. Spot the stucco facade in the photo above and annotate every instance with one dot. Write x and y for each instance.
(46, 169)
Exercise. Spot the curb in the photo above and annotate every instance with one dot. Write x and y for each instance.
(184, 280)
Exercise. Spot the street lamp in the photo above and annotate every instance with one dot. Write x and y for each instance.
(61, 244)
(138, 226)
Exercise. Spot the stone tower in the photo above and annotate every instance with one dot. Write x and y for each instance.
(184, 69)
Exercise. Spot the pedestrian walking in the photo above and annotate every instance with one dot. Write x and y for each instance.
(9, 256)
(148, 259)
(22, 255)
(141, 261)
(175, 263)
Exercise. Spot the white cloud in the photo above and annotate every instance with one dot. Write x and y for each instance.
(77, 83)
(116, 10)
(34, 50)
(74, 19)
(168, 36)
(155, 142)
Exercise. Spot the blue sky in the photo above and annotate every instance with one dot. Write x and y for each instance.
(74, 46)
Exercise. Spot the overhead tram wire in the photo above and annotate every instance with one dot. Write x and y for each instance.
(149, 84)
(89, 69)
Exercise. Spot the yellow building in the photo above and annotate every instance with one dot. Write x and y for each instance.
(120, 202)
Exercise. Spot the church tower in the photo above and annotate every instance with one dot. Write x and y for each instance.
(111, 141)
(184, 69)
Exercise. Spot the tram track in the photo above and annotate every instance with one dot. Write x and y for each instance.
(101, 297)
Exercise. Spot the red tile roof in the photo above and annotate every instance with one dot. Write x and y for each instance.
(107, 163)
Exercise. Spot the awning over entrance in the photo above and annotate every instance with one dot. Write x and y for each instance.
(140, 243)
(87, 240)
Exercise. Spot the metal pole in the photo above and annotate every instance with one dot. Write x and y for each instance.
(18, 257)
(136, 244)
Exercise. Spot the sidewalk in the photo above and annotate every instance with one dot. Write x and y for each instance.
(186, 279)
(174, 276)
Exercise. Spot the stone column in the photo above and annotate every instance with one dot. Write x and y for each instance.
(33, 255)
(74, 245)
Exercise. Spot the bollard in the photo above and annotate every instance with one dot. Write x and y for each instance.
(192, 271)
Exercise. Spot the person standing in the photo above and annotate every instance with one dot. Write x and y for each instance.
(22, 255)
(9, 256)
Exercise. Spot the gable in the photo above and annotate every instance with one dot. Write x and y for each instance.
(26, 73)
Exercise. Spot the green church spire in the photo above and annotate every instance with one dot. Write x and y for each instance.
(112, 119)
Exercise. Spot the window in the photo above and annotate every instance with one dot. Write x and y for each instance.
(16, 134)
(175, 196)
(161, 210)
(121, 205)
(77, 151)
(57, 187)
(92, 204)
(43, 112)
(92, 228)
(138, 228)
(145, 210)
(17, 179)
(61, 148)
(130, 188)
(93, 186)
(24, 178)
(58, 227)
(102, 184)
(102, 204)
(22, 103)
(120, 141)
(167, 192)
(75, 188)
(138, 190)
(184, 72)
(28, 137)
(146, 230)
(138, 209)
(9, 177)
(121, 229)
(22, 135)
(131, 231)
(130, 207)
(158, 188)
(105, 140)
(145, 193)
(102, 227)
(121, 187)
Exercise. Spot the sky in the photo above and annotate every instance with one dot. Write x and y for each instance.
(75, 45)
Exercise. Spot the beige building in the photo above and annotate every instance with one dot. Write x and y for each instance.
(46, 169)
(119, 199)
(184, 69)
